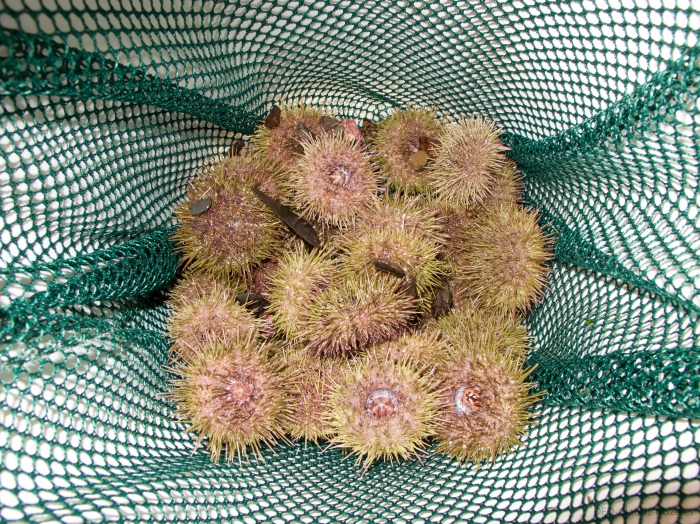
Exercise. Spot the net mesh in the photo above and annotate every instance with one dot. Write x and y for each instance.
(109, 108)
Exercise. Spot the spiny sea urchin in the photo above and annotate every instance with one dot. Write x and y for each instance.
(467, 162)
(309, 383)
(280, 143)
(397, 138)
(381, 410)
(354, 312)
(416, 254)
(407, 213)
(422, 349)
(484, 402)
(232, 394)
(294, 284)
(334, 181)
(215, 315)
(194, 286)
(237, 231)
(507, 187)
(472, 325)
(502, 258)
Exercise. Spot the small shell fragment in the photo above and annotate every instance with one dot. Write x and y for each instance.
(273, 117)
(418, 160)
(327, 124)
(200, 207)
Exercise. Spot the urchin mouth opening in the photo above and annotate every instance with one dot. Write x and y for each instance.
(382, 403)
(467, 400)
(340, 175)
(238, 391)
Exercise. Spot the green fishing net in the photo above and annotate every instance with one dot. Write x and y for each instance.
(109, 107)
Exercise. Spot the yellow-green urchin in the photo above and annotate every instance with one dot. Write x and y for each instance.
(381, 410)
(237, 231)
(416, 254)
(354, 312)
(407, 213)
(231, 393)
(422, 349)
(507, 187)
(309, 383)
(397, 139)
(215, 315)
(259, 172)
(334, 181)
(299, 277)
(194, 286)
(484, 402)
(279, 143)
(472, 325)
(467, 162)
(502, 259)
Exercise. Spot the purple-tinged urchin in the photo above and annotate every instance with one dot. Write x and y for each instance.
(294, 285)
(484, 402)
(232, 394)
(195, 286)
(237, 231)
(381, 410)
(281, 144)
(334, 181)
(507, 187)
(468, 323)
(397, 138)
(423, 350)
(309, 379)
(354, 312)
(501, 259)
(214, 315)
(405, 236)
(467, 162)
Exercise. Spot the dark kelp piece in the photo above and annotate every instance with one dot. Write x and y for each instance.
(253, 302)
(369, 129)
(304, 133)
(327, 124)
(408, 286)
(443, 300)
(236, 148)
(200, 207)
(427, 144)
(273, 117)
(297, 224)
(388, 267)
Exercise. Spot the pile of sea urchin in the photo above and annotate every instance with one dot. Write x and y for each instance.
(362, 287)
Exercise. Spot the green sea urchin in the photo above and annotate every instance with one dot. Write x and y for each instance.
(354, 312)
(310, 378)
(505, 334)
(415, 253)
(501, 259)
(280, 143)
(237, 231)
(381, 410)
(507, 187)
(300, 276)
(215, 315)
(232, 394)
(422, 350)
(484, 402)
(397, 138)
(195, 286)
(334, 181)
(467, 162)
